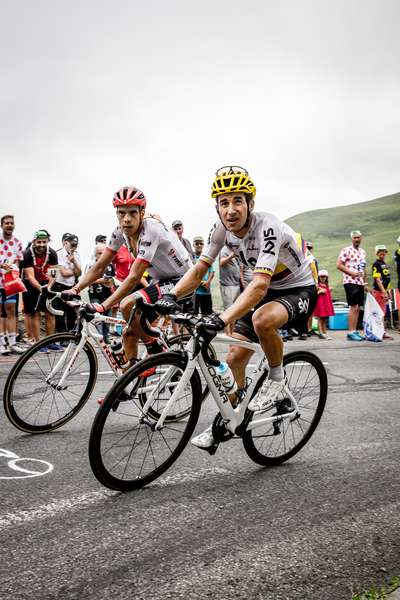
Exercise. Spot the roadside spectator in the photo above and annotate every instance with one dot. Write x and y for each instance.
(177, 226)
(100, 239)
(229, 279)
(381, 280)
(101, 289)
(324, 307)
(351, 262)
(396, 257)
(203, 297)
(38, 259)
(11, 253)
(69, 270)
(310, 253)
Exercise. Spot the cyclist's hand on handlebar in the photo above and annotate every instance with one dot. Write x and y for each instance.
(68, 295)
(167, 304)
(215, 323)
(90, 310)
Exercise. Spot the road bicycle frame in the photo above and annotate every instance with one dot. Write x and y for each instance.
(232, 417)
(87, 333)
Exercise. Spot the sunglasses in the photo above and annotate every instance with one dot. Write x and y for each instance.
(199, 243)
(231, 170)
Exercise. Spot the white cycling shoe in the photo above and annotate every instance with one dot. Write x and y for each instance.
(269, 392)
(204, 440)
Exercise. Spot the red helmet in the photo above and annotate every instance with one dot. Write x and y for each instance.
(129, 196)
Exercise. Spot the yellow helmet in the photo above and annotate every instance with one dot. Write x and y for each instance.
(232, 179)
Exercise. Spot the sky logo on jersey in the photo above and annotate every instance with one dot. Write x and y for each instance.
(269, 239)
(303, 305)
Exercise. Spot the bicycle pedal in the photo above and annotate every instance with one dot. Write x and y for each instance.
(211, 450)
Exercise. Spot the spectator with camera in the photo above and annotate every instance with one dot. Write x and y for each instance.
(69, 269)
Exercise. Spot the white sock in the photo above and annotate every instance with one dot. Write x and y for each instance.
(12, 338)
(2, 339)
(276, 373)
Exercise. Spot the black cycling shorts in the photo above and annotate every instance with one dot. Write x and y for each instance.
(299, 302)
(31, 301)
(354, 294)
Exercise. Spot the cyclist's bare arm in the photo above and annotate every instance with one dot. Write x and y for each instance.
(133, 279)
(191, 280)
(248, 299)
(97, 271)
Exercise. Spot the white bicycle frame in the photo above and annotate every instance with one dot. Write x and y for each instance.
(232, 417)
(88, 332)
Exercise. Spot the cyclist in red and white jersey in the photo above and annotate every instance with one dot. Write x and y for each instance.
(154, 248)
(282, 291)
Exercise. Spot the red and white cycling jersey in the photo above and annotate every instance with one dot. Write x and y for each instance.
(270, 246)
(159, 248)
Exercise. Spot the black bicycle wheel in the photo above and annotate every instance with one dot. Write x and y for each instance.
(126, 451)
(178, 342)
(33, 399)
(273, 443)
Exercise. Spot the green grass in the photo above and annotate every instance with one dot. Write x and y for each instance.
(379, 593)
(329, 229)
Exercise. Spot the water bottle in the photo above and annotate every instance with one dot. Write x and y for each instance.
(118, 353)
(227, 378)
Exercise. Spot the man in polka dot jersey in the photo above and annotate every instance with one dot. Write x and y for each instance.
(352, 263)
(11, 253)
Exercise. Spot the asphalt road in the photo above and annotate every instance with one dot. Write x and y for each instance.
(320, 526)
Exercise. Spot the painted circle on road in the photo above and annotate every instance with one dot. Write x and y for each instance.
(23, 467)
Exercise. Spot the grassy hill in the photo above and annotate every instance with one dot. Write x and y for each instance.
(329, 230)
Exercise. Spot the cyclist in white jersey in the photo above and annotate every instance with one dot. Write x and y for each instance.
(156, 250)
(282, 291)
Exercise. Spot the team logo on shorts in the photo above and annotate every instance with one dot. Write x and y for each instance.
(303, 305)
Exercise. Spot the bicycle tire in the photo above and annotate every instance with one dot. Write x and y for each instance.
(118, 420)
(272, 448)
(22, 403)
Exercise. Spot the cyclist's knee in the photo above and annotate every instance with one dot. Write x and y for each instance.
(263, 321)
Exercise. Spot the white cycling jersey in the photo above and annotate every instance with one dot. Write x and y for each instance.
(269, 246)
(160, 249)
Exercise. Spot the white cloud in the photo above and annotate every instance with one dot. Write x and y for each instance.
(97, 95)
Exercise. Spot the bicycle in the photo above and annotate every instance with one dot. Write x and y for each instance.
(44, 391)
(132, 443)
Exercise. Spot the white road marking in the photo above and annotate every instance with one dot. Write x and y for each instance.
(13, 461)
(51, 509)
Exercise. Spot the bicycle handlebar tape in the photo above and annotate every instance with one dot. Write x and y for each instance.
(208, 335)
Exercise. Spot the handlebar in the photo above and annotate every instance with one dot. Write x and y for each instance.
(51, 296)
(206, 335)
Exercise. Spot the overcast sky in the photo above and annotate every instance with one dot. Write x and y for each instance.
(158, 94)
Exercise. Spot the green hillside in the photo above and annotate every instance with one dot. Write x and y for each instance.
(329, 230)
